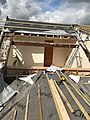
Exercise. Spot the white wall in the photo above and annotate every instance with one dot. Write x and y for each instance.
(10, 58)
(34, 56)
(60, 55)
(85, 62)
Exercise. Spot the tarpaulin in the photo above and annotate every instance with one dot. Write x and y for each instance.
(6, 92)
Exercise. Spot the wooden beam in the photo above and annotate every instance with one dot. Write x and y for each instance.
(45, 36)
(76, 87)
(27, 107)
(64, 97)
(62, 113)
(78, 69)
(14, 24)
(40, 102)
(44, 44)
(44, 68)
(14, 115)
(77, 101)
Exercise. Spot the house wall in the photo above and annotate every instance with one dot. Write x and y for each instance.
(10, 57)
(34, 56)
(31, 56)
(85, 62)
(60, 56)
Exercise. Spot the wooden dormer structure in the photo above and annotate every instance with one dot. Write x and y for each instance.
(42, 44)
(34, 91)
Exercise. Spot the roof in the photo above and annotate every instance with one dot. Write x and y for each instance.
(85, 28)
(14, 24)
(42, 97)
(54, 94)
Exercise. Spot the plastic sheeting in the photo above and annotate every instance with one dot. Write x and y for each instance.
(75, 78)
(50, 32)
(28, 79)
(6, 92)
(53, 68)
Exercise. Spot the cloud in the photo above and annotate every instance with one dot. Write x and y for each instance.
(2, 2)
(0, 12)
(49, 5)
(70, 12)
(72, 1)
(86, 20)
(60, 11)
(21, 9)
(57, 16)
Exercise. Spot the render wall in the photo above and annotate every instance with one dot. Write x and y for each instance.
(10, 58)
(60, 55)
(85, 62)
(34, 56)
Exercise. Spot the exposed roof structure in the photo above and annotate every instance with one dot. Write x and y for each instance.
(35, 26)
(51, 93)
(43, 102)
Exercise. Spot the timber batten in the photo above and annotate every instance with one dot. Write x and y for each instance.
(44, 44)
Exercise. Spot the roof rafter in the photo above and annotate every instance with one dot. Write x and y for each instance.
(44, 44)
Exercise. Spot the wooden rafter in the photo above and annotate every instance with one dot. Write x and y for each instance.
(44, 68)
(44, 44)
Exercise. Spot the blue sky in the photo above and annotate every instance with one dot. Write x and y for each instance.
(50, 5)
(59, 11)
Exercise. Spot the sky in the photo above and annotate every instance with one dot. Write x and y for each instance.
(58, 11)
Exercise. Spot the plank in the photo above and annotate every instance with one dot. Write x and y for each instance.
(39, 101)
(77, 101)
(64, 97)
(14, 115)
(62, 113)
(77, 89)
(27, 106)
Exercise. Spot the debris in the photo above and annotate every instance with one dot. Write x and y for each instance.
(28, 79)
(84, 36)
(1, 65)
(87, 83)
(1, 108)
(6, 92)
(75, 78)
(53, 68)
(18, 55)
(62, 112)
